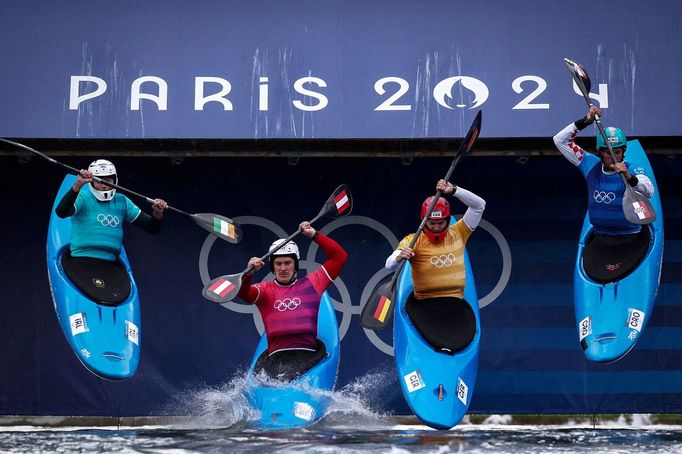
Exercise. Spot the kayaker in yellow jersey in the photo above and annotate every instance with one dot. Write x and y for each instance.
(438, 270)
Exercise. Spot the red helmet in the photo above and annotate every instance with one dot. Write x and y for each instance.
(440, 211)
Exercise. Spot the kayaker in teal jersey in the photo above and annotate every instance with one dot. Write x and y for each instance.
(98, 213)
(617, 244)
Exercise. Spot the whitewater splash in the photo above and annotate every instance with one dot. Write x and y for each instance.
(225, 406)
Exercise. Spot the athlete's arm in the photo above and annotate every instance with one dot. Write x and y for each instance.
(564, 141)
(475, 204)
(148, 223)
(336, 255)
(248, 292)
(66, 206)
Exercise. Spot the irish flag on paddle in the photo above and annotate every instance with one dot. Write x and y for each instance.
(223, 228)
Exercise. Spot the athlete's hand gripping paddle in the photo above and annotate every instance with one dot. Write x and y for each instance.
(636, 207)
(377, 311)
(223, 289)
(220, 226)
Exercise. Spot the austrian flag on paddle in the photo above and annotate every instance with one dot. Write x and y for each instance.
(342, 202)
(223, 228)
(221, 287)
(641, 210)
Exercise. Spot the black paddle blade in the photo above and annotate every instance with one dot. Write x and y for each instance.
(579, 74)
(472, 135)
(377, 313)
(220, 226)
(223, 289)
(637, 208)
(340, 203)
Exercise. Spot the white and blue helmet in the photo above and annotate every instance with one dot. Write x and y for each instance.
(103, 168)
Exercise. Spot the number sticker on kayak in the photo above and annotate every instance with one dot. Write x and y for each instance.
(303, 410)
(414, 381)
(132, 332)
(635, 319)
(462, 391)
(78, 323)
(585, 327)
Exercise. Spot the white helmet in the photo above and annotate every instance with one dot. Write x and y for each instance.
(103, 168)
(288, 250)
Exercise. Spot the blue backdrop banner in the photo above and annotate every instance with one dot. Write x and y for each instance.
(332, 69)
(522, 255)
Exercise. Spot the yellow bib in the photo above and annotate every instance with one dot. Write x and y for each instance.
(438, 269)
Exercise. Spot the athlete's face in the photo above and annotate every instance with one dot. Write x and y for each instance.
(285, 267)
(606, 158)
(103, 187)
(436, 226)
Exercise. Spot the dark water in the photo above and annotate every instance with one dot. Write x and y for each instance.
(321, 439)
(217, 420)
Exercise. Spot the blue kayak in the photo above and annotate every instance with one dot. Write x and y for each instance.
(105, 337)
(438, 386)
(304, 400)
(611, 317)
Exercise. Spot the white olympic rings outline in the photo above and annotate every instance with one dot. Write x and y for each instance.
(603, 196)
(439, 261)
(108, 220)
(287, 304)
(345, 306)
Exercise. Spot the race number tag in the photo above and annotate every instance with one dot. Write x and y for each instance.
(132, 332)
(303, 410)
(414, 381)
(78, 323)
(635, 319)
(462, 391)
(585, 327)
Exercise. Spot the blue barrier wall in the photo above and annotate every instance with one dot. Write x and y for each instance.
(530, 362)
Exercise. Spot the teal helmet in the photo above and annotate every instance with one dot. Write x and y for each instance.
(615, 136)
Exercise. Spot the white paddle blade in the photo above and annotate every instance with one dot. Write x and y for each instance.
(637, 208)
(220, 226)
(223, 289)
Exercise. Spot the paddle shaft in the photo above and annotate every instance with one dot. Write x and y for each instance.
(597, 120)
(97, 179)
(281, 245)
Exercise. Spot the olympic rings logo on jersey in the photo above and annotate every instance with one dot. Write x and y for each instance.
(603, 197)
(287, 304)
(439, 261)
(107, 220)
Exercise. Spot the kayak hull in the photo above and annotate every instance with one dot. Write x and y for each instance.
(106, 339)
(306, 399)
(611, 317)
(438, 387)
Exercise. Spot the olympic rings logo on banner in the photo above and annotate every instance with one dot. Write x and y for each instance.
(439, 261)
(603, 197)
(287, 304)
(345, 306)
(107, 220)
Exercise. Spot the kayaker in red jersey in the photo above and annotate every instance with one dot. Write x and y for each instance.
(289, 305)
